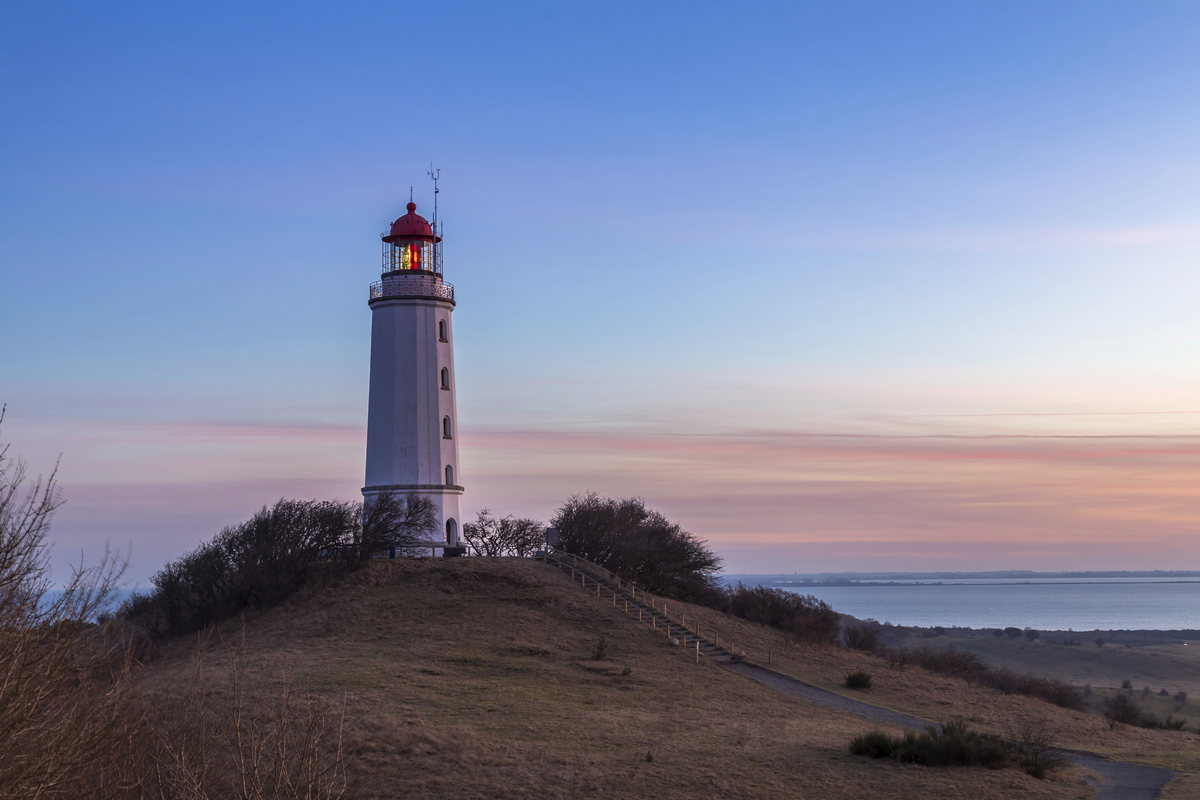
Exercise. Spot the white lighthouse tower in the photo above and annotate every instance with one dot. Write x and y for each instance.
(412, 421)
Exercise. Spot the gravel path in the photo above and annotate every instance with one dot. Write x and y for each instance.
(1122, 781)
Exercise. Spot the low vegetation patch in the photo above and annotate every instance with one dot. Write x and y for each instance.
(601, 650)
(858, 680)
(640, 545)
(264, 560)
(952, 745)
(809, 619)
(974, 670)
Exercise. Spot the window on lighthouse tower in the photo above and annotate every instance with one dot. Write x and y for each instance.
(449, 475)
(442, 331)
(445, 378)
(446, 428)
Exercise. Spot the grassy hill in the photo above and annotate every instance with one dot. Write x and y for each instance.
(473, 677)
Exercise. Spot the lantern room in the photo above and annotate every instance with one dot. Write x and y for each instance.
(412, 245)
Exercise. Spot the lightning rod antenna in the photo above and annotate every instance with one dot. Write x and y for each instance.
(434, 174)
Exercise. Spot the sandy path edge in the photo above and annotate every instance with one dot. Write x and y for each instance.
(1122, 780)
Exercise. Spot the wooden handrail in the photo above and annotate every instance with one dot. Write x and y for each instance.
(714, 639)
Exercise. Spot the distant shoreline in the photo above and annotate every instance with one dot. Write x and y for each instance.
(954, 583)
(1014, 575)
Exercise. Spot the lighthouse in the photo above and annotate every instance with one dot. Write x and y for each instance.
(412, 421)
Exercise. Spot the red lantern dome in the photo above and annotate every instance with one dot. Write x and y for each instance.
(411, 226)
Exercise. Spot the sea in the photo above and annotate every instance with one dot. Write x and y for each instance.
(1050, 604)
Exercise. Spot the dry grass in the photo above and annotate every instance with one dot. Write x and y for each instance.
(1184, 787)
(467, 678)
(936, 697)
(1171, 666)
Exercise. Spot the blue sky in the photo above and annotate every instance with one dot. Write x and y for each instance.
(836, 285)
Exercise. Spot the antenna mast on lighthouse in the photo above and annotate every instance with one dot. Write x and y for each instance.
(434, 174)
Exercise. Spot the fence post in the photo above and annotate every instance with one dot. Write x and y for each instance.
(697, 651)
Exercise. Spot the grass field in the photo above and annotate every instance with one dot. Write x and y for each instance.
(469, 678)
(1169, 666)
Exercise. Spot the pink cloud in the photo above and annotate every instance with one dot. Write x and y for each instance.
(769, 501)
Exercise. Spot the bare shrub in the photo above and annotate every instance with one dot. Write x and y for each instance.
(1181, 697)
(953, 744)
(858, 680)
(389, 521)
(1120, 708)
(600, 652)
(640, 545)
(862, 636)
(1033, 741)
(262, 561)
(489, 536)
(974, 671)
(897, 657)
(65, 681)
(950, 661)
(809, 619)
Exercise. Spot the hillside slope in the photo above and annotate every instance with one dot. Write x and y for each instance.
(469, 678)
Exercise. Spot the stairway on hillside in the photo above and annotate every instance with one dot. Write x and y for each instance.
(656, 618)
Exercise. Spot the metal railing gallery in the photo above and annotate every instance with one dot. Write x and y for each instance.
(412, 286)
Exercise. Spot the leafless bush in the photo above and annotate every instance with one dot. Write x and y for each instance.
(1181, 697)
(388, 520)
(862, 636)
(489, 536)
(1120, 708)
(65, 686)
(897, 657)
(260, 562)
(1033, 740)
(809, 619)
(973, 670)
(949, 661)
(640, 545)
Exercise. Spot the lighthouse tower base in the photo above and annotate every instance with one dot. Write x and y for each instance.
(446, 501)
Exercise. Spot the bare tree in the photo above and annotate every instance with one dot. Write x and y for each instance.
(1119, 708)
(390, 520)
(639, 544)
(489, 536)
(65, 692)
(1034, 740)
